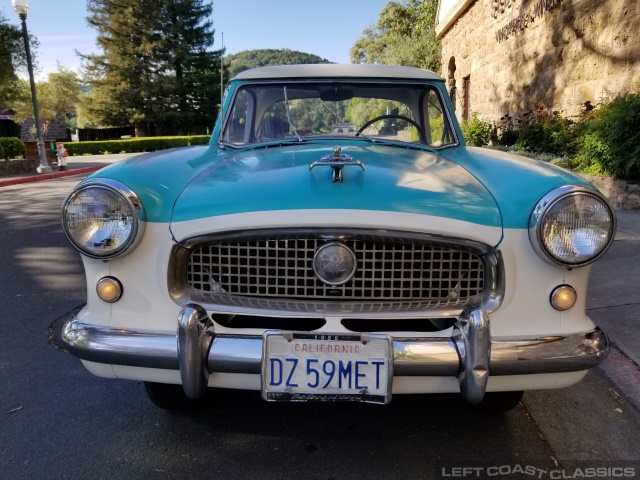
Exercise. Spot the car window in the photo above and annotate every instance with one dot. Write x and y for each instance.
(437, 132)
(291, 111)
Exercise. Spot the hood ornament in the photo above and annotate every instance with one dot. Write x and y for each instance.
(337, 161)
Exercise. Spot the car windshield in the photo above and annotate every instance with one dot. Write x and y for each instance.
(299, 111)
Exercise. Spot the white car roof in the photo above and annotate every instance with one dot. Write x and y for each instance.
(330, 70)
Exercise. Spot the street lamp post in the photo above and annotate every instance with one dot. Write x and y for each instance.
(22, 7)
(221, 71)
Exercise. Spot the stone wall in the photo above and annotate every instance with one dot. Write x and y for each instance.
(518, 55)
(18, 167)
(622, 194)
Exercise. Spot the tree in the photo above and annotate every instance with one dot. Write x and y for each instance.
(12, 59)
(120, 76)
(193, 69)
(247, 59)
(156, 68)
(403, 35)
(57, 97)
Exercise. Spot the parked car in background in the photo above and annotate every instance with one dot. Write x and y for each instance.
(337, 241)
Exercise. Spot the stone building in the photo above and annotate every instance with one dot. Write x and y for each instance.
(54, 130)
(513, 56)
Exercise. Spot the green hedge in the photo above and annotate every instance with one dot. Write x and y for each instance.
(11, 147)
(133, 145)
(603, 141)
(608, 139)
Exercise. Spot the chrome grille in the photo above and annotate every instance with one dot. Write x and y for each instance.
(388, 269)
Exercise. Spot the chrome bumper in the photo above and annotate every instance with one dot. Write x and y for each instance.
(469, 354)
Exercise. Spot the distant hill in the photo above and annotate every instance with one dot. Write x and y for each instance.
(266, 57)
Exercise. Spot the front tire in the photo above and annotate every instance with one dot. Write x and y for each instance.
(171, 397)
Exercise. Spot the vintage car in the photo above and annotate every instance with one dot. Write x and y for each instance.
(337, 241)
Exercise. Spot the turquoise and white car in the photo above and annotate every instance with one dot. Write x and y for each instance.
(337, 241)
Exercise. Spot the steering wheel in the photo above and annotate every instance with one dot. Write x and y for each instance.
(400, 117)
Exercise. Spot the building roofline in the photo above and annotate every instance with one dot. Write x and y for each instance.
(448, 18)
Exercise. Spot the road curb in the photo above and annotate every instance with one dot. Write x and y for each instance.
(47, 176)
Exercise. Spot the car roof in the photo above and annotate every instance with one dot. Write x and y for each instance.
(331, 70)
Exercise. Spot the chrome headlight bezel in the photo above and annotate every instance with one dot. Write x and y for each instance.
(131, 201)
(546, 204)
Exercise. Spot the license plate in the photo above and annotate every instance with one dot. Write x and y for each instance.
(303, 367)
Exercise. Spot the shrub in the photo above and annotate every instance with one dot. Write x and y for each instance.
(1, 151)
(133, 145)
(476, 131)
(608, 139)
(545, 132)
(12, 148)
(507, 131)
(199, 139)
(508, 136)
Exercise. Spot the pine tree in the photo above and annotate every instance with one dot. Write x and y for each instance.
(156, 69)
(192, 69)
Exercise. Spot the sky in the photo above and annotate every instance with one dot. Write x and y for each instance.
(327, 28)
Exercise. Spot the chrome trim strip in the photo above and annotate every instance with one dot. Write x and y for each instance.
(331, 234)
(495, 282)
(412, 355)
(552, 354)
(120, 347)
(423, 356)
(235, 354)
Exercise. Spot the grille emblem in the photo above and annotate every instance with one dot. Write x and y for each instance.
(334, 263)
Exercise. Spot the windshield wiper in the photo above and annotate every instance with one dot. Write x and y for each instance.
(286, 107)
(344, 124)
(270, 144)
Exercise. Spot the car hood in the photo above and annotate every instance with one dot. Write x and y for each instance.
(396, 179)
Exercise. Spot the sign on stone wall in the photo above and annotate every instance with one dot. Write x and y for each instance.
(522, 21)
(559, 54)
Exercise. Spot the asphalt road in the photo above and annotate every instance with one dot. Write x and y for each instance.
(58, 421)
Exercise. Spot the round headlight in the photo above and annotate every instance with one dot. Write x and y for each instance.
(102, 218)
(572, 226)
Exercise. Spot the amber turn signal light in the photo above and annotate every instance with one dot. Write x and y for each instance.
(563, 297)
(109, 289)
